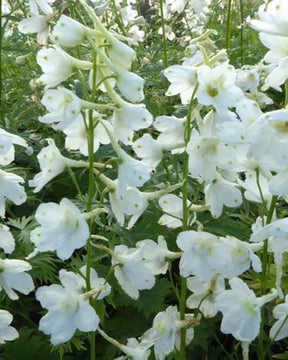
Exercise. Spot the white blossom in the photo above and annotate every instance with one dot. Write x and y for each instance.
(36, 24)
(62, 228)
(165, 332)
(7, 332)
(44, 6)
(11, 189)
(217, 87)
(204, 294)
(63, 106)
(279, 330)
(13, 276)
(130, 270)
(241, 310)
(7, 241)
(52, 163)
(68, 308)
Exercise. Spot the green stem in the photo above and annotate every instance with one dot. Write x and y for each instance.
(265, 247)
(241, 32)
(182, 305)
(90, 135)
(75, 182)
(164, 35)
(228, 21)
(265, 265)
(118, 19)
(91, 191)
(286, 94)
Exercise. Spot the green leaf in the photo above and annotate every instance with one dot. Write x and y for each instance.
(150, 301)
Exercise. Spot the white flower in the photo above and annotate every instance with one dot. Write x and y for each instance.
(5, 7)
(172, 205)
(128, 118)
(206, 154)
(132, 203)
(247, 79)
(217, 87)
(36, 24)
(99, 286)
(183, 81)
(135, 35)
(204, 294)
(121, 54)
(226, 256)
(42, 4)
(62, 228)
(221, 192)
(11, 189)
(52, 163)
(156, 255)
(7, 332)
(278, 76)
(131, 272)
(128, 14)
(177, 6)
(130, 85)
(13, 276)
(63, 106)
(76, 134)
(7, 151)
(241, 310)
(102, 73)
(278, 183)
(165, 333)
(252, 192)
(269, 140)
(69, 32)
(172, 131)
(169, 33)
(279, 330)
(277, 235)
(272, 18)
(134, 350)
(131, 172)
(199, 248)
(200, 6)
(58, 66)
(7, 241)
(249, 111)
(237, 257)
(149, 150)
(68, 309)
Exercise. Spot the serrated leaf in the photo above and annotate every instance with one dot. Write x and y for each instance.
(150, 301)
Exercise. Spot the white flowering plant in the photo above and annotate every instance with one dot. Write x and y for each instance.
(144, 179)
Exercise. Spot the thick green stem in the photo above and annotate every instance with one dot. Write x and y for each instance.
(265, 247)
(90, 134)
(265, 265)
(182, 305)
(286, 94)
(90, 127)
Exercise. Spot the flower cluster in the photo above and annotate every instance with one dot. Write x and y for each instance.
(226, 153)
